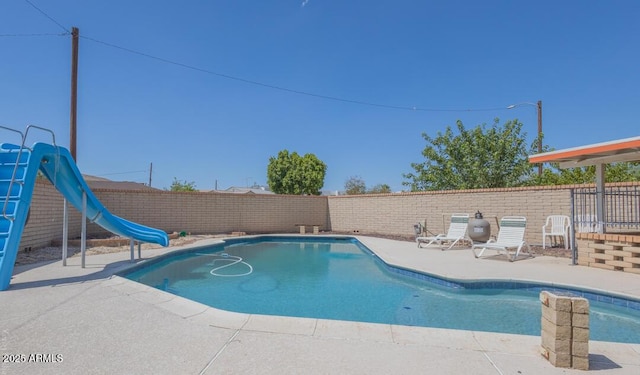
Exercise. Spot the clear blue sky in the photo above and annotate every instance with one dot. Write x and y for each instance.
(208, 90)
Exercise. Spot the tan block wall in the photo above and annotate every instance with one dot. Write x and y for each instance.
(392, 214)
(46, 216)
(615, 252)
(192, 212)
(199, 213)
(397, 213)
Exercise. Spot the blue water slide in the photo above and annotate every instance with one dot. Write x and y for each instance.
(18, 171)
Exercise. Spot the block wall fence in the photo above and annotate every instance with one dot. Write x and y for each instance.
(218, 213)
(397, 213)
(192, 212)
(610, 251)
(46, 218)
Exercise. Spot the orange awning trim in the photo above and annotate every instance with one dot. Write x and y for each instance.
(623, 146)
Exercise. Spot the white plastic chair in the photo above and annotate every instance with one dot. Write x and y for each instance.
(457, 232)
(556, 226)
(587, 224)
(510, 237)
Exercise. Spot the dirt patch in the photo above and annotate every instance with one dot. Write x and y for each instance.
(55, 252)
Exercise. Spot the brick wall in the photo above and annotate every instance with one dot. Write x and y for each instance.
(46, 216)
(199, 213)
(397, 213)
(393, 214)
(610, 251)
(193, 212)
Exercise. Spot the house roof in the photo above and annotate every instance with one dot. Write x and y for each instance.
(627, 149)
(244, 190)
(116, 185)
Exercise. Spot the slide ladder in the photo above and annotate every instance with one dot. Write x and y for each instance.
(14, 212)
(19, 167)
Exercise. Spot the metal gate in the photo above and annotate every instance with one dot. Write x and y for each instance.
(621, 209)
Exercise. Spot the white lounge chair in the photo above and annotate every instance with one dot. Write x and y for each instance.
(457, 233)
(510, 241)
(556, 225)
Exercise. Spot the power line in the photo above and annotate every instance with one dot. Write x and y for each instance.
(261, 84)
(299, 92)
(48, 16)
(33, 35)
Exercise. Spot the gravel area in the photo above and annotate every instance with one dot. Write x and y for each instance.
(55, 253)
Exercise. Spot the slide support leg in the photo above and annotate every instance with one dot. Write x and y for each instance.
(83, 235)
(65, 232)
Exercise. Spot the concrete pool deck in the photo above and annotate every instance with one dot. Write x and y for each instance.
(90, 321)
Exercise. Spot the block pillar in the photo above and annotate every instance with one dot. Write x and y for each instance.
(565, 330)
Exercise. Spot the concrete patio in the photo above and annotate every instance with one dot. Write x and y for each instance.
(90, 321)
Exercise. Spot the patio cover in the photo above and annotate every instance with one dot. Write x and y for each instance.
(598, 154)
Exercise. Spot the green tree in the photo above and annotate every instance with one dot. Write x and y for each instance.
(354, 186)
(293, 174)
(478, 158)
(380, 189)
(182, 185)
(615, 172)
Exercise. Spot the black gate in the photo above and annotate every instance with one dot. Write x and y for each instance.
(621, 209)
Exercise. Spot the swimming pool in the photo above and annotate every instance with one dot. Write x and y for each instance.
(339, 278)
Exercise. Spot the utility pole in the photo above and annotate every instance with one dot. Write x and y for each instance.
(75, 32)
(539, 107)
(540, 135)
(150, 172)
(72, 145)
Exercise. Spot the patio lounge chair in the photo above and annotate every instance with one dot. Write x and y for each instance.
(457, 233)
(510, 241)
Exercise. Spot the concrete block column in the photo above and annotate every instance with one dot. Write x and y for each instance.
(565, 330)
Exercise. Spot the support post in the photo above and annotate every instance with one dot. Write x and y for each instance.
(131, 246)
(83, 235)
(600, 206)
(65, 231)
(572, 232)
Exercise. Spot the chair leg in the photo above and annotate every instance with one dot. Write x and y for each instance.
(450, 246)
(529, 250)
(515, 254)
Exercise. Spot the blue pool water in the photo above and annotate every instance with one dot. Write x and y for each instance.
(338, 278)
